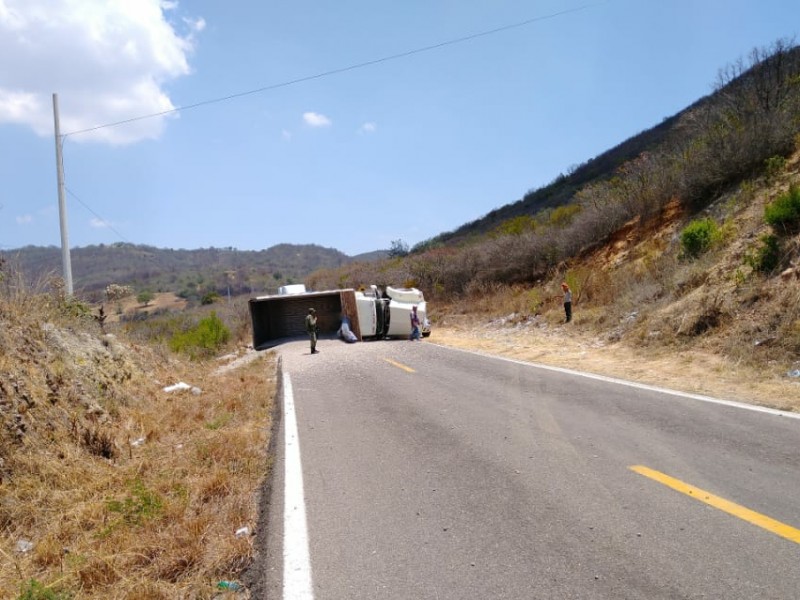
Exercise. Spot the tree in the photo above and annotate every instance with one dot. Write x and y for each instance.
(145, 297)
(398, 249)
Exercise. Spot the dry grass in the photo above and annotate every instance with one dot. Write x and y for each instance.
(130, 306)
(123, 490)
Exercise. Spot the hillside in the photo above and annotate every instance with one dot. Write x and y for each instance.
(712, 325)
(189, 273)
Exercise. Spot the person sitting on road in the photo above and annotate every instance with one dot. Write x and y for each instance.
(345, 332)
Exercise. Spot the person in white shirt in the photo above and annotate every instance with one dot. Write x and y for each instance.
(567, 301)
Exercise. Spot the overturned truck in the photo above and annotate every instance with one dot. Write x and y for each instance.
(371, 313)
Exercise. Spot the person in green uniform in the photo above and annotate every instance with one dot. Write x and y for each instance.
(311, 328)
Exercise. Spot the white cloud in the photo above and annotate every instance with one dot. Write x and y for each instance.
(196, 25)
(316, 119)
(369, 127)
(24, 219)
(98, 223)
(106, 59)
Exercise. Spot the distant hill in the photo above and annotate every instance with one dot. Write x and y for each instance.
(189, 273)
(370, 256)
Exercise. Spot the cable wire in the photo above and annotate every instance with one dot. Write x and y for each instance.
(106, 223)
(352, 67)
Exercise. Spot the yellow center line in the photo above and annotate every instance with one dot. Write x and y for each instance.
(400, 365)
(785, 531)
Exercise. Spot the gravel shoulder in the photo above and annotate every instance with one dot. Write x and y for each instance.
(690, 371)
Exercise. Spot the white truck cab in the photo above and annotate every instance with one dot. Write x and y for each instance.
(388, 313)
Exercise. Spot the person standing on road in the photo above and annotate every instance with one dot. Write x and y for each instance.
(311, 328)
(567, 301)
(415, 334)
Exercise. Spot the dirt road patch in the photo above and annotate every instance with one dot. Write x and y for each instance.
(130, 306)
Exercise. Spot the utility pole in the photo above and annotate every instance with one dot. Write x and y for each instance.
(62, 201)
(230, 275)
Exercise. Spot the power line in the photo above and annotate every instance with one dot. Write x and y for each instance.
(352, 67)
(102, 220)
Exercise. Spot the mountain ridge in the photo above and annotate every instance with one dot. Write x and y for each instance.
(185, 272)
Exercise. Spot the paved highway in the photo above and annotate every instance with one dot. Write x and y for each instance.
(414, 471)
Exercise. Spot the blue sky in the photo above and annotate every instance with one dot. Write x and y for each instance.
(403, 149)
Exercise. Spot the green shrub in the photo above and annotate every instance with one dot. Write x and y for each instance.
(76, 308)
(784, 212)
(34, 590)
(774, 166)
(145, 297)
(534, 301)
(209, 298)
(767, 256)
(219, 422)
(515, 226)
(202, 340)
(698, 236)
(562, 216)
(141, 504)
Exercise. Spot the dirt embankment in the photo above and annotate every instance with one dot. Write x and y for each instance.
(570, 347)
(114, 481)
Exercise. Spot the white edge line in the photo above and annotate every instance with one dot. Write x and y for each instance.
(296, 558)
(634, 384)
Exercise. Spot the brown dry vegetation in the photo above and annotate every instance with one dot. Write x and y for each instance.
(122, 489)
(712, 326)
(130, 306)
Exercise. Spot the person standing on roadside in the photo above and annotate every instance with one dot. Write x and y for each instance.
(415, 334)
(567, 301)
(311, 328)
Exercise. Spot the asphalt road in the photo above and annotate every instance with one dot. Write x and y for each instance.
(430, 473)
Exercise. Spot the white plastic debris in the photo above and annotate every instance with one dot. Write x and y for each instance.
(177, 387)
(181, 386)
(24, 546)
(242, 532)
(137, 442)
